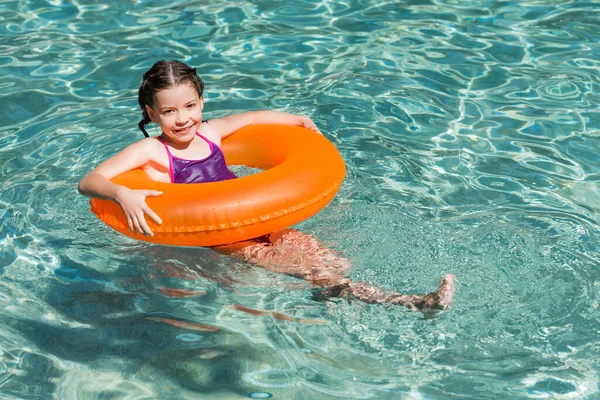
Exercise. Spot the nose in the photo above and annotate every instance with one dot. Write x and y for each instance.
(182, 118)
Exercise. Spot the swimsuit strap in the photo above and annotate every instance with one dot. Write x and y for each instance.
(211, 145)
(171, 174)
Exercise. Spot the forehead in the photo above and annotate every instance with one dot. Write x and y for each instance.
(176, 95)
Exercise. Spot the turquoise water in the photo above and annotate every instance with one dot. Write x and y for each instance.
(470, 133)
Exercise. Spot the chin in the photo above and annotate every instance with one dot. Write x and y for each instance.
(188, 137)
(185, 139)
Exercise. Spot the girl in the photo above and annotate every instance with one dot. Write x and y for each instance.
(188, 151)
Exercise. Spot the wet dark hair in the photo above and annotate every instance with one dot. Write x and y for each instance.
(164, 75)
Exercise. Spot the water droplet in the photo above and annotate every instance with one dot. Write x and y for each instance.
(260, 395)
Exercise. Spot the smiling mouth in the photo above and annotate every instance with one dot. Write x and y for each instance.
(182, 130)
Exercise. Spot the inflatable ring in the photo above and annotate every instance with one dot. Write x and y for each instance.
(302, 171)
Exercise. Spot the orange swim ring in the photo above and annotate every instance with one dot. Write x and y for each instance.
(302, 171)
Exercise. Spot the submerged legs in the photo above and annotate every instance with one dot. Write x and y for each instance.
(298, 254)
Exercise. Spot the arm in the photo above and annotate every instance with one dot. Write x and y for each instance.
(133, 202)
(227, 125)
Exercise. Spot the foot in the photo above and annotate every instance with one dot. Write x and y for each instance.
(446, 291)
(438, 300)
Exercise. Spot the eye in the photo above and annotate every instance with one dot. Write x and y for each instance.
(191, 105)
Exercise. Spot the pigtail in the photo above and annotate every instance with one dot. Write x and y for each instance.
(145, 121)
(142, 125)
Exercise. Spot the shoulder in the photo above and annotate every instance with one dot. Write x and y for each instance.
(150, 144)
(147, 148)
(210, 129)
(220, 128)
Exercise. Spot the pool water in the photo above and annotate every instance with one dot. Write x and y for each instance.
(470, 134)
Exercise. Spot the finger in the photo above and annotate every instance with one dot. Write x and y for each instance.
(130, 224)
(136, 224)
(153, 215)
(313, 127)
(146, 228)
(153, 193)
(144, 225)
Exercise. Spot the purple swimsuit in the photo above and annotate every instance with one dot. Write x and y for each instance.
(210, 169)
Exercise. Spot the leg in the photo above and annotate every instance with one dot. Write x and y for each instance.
(289, 252)
(297, 254)
(440, 299)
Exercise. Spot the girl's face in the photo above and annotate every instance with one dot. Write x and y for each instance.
(178, 111)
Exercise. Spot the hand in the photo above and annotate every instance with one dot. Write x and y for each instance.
(133, 203)
(308, 123)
